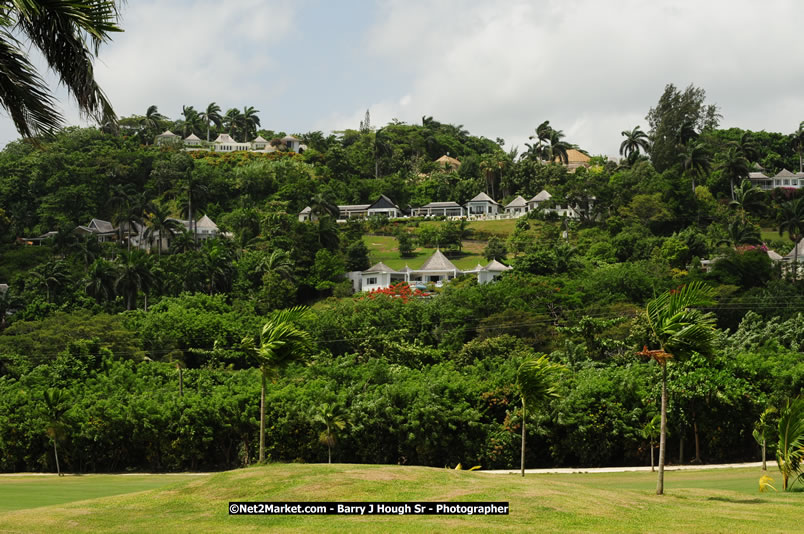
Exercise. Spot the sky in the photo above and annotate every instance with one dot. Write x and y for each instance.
(593, 68)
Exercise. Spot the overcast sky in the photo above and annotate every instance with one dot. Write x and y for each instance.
(593, 68)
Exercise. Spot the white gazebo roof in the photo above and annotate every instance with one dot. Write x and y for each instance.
(542, 196)
(518, 202)
(167, 133)
(437, 262)
(192, 137)
(290, 138)
(496, 266)
(206, 223)
(784, 173)
(379, 268)
(483, 197)
(224, 138)
(305, 210)
(259, 139)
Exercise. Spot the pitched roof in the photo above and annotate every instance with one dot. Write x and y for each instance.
(379, 268)
(541, 197)
(437, 262)
(447, 161)
(792, 253)
(224, 138)
(167, 133)
(259, 139)
(518, 202)
(496, 266)
(383, 203)
(353, 207)
(305, 210)
(290, 138)
(784, 173)
(775, 256)
(100, 225)
(406, 269)
(449, 204)
(205, 223)
(192, 137)
(756, 175)
(483, 197)
(576, 156)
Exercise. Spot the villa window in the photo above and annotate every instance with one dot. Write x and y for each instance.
(371, 281)
(794, 182)
(786, 181)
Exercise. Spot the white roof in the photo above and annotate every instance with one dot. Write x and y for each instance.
(259, 139)
(784, 173)
(305, 210)
(290, 138)
(379, 268)
(541, 197)
(483, 197)
(775, 256)
(496, 266)
(192, 137)
(205, 223)
(800, 247)
(167, 133)
(437, 262)
(224, 138)
(518, 202)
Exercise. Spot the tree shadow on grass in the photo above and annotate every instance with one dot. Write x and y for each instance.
(737, 501)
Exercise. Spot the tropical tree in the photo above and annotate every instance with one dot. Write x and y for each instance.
(635, 140)
(278, 261)
(790, 449)
(741, 233)
(320, 206)
(332, 417)
(52, 275)
(149, 123)
(191, 119)
(537, 381)
(101, 278)
(68, 34)
(761, 431)
(558, 148)
(680, 328)
(695, 160)
(734, 165)
(281, 342)
(747, 196)
(160, 224)
(211, 115)
(650, 432)
(797, 140)
(792, 222)
(748, 146)
(249, 121)
(56, 405)
(134, 274)
(232, 120)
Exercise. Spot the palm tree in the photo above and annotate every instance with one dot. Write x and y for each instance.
(790, 449)
(56, 404)
(232, 120)
(650, 432)
(150, 123)
(792, 222)
(250, 121)
(212, 115)
(52, 275)
(797, 140)
(747, 196)
(333, 419)
(134, 274)
(761, 429)
(320, 206)
(734, 165)
(279, 262)
(695, 160)
(680, 328)
(741, 233)
(101, 279)
(281, 342)
(557, 150)
(542, 137)
(537, 382)
(748, 146)
(635, 140)
(68, 36)
(159, 225)
(191, 119)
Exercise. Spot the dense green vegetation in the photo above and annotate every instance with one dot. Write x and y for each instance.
(150, 357)
(697, 501)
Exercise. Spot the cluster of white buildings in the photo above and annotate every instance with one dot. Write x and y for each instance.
(481, 206)
(437, 269)
(225, 143)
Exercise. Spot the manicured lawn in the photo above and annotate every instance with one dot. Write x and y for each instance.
(385, 249)
(695, 501)
(20, 492)
(502, 227)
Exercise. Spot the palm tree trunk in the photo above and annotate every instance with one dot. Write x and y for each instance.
(697, 440)
(262, 419)
(329, 453)
(764, 465)
(522, 461)
(663, 432)
(652, 447)
(56, 453)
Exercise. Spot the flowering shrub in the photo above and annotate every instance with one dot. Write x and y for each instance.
(400, 290)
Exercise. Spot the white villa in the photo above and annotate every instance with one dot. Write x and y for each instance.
(225, 143)
(436, 269)
(383, 206)
(443, 209)
(516, 207)
(783, 178)
(483, 205)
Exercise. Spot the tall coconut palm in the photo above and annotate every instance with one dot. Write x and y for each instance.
(52, 275)
(278, 261)
(734, 165)
(191, 119)
(558, 149)
(537, 380)
(792, 222)
(741, 233)
(695, 160)
(56, 405)
(134, 274)
(747, 196)
(68, 35)
(250, 121)
(160, 225)
(797, 140)
(281, 342)
(680, 328)
(332, 417)
(101, 278)
(232, 121)
(748, 146)
(211, 115)
(321, 206)
(635, 140)
(150, 123)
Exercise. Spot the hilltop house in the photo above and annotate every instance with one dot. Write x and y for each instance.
(435, 209)
(482, 204)
(383, 206)
(448, 163)
(516, 207)
(575, 159)
(537, 202)
(436, 269)
(167, 137)
(783, 178)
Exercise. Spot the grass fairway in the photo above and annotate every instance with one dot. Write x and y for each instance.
(696, 501)
(386, 249)
(24, 492)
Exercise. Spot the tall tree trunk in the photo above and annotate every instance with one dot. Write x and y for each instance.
(681, 446)
(262, 419)
(522, 460)
(764, 465)
(652, 447)
(56, 453)
(329, 453)
(663, 432)
(697, 440)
